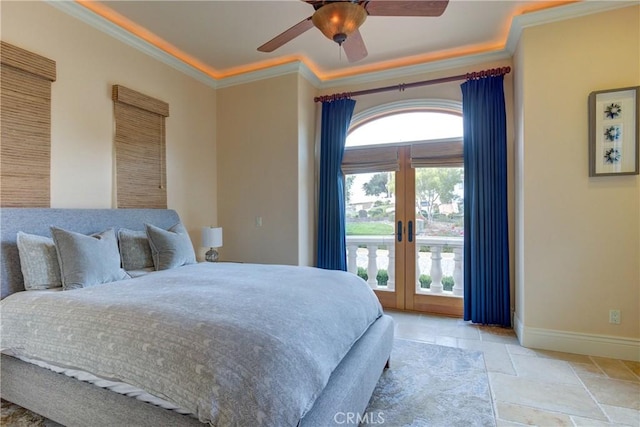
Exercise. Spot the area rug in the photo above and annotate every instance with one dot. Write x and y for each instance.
(427, 385)
(431, 385)
(16, 416)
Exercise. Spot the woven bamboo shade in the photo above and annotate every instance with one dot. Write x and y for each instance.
(365, 160)
(140, 149)
(25, 127)
(437, 154)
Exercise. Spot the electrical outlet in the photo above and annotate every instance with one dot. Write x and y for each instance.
(614, 317)
(258, 221)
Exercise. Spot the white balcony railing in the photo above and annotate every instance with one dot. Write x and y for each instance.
(375, 253)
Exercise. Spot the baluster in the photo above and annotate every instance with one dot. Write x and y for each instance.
(458, 279)
(352, 257)
(372, 266)
(391, 267)
(436, 269)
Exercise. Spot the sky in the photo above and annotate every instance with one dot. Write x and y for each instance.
(405, 127)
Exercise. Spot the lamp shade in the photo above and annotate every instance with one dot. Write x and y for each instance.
(338, 20)
(212, 237)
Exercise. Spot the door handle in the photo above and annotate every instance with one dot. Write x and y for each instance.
(410, 231)
(399, 231)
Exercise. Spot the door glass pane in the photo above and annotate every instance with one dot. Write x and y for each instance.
(439, 230)
(370, 217)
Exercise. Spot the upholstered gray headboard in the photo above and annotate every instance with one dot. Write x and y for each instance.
(38, 220)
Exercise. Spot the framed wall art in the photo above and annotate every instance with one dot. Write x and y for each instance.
(613, 131)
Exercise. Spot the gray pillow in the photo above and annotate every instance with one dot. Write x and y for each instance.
(135, 251)
(142, 272)
(170, 248)
(38, 262)
(87, 260)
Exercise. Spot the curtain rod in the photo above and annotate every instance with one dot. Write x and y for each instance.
(402, 86)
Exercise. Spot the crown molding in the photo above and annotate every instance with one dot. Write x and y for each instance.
(80, 12)
(297, 67)
(412, 70)
(308, 74)
(518, 23)
(392, 73)
(561, 13)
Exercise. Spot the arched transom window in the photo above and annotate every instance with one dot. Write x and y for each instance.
(405, 127)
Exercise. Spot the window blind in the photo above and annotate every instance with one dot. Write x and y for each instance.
(140, 149)
(365, 160)
(443, 153)
(25, 123)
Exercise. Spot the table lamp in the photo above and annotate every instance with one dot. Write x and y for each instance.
(212, 238)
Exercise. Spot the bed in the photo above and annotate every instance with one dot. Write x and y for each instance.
(263, 345)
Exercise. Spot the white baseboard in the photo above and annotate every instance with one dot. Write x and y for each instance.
(578, 343)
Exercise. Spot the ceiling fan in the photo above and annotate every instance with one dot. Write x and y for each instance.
(340, 21)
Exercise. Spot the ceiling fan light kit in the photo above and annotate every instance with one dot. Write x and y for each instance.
(339, 20)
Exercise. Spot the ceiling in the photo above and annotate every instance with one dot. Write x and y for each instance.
(221, 38)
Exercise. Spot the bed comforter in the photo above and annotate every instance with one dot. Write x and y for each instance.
(235, 344)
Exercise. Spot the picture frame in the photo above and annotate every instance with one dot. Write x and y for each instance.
(614, 116)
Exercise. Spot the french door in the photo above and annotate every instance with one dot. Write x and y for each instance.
(404, 234)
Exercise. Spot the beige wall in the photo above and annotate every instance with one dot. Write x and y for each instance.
(578, 238)
(88, 63)
(307, 110)
(520, 214)
(258, 170)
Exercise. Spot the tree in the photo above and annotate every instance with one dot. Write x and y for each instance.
(434, 186)
(377, 185)
(391, 185)
(347, 187)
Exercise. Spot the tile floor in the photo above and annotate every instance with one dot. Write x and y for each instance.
(537, 387)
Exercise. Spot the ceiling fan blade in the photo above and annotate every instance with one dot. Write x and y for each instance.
(406, 7)
(354, 47)
(287, 36)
